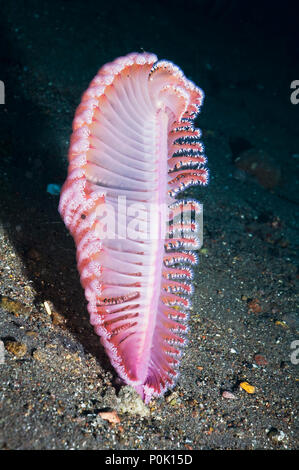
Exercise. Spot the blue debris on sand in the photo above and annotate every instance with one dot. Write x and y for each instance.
(54, 189)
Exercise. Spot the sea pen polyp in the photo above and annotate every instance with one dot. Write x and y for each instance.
(134, 141)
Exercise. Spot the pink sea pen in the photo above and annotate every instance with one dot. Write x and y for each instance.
(133, 149)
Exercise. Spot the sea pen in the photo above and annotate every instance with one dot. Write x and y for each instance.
(133, 149)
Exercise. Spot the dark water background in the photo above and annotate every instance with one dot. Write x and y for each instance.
(244, 55)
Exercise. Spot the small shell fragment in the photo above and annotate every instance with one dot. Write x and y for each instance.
(230, 395)
(110, 416)
(47, 308)
(247, 387)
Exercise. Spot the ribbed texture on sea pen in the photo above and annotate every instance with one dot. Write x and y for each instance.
(133, 140)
